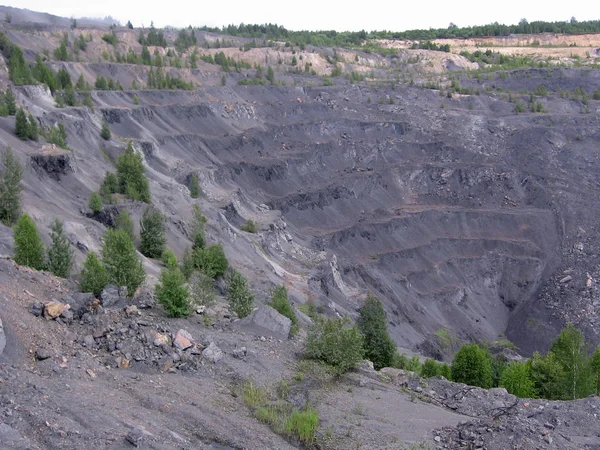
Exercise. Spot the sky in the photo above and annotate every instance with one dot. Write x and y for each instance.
(317, 15)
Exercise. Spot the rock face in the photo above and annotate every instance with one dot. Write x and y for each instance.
(266, 321)
(53, 162)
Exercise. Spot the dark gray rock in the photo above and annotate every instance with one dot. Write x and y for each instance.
(44, 353)
(36, 309)
(79, 303)
(2, 338)
(54, 163)
(212, 353)
(266, 321)
(110, 296)
(136, 437)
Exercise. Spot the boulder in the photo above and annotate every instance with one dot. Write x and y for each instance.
(53, 309)
(78, 303)
(183, 340)
(212, 353)
(266, 321)
(110, 296)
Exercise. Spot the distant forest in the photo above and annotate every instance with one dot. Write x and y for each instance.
(335, 38)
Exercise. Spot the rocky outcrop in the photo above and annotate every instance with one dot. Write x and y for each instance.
(53, 162)
(266, 321)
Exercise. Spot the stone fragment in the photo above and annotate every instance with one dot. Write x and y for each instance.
(53, 309)
(266, 321)
(43, 353)
(212, 353)
(183, 340)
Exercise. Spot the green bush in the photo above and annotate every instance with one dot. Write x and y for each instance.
(336, 343)
(187, 263)
(169, 259)
(93, 275)
(122, 263)
(60, 253)
(472, 366)
(172, 293)
(124, 222)
(202, 290)
(152, 233)
(516, 379)
(95, 202)
(197, 228)
(241, 300)
(21, 125)
(211, 260)
(29, 247)
(194, 186)
(430, 368)
(280, 302)
(10, 187)
(130, 175)
(249, 227)
(372, 322)
(105, 131)
(110, 185)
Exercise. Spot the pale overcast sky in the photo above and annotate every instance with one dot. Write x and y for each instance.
(312, 14)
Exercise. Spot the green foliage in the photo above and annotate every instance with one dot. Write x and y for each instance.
(93, 275)
(95, 202)
(280, 302)
(241, 300)
(185, 40)
(202, 289)
(155, 37)
(10, 187)
(310, 309)
(21, 125)
(158, 80)
(101, 83)
(172, 293)
(446, 340)
(249, 226)
(431, 368)
(124, 222)
(187, 262)
(10, 102)
(372, 322)
(18, 69)
(472, 366)
(547, 374)
(271, 75)
(32, 128)
(211, 260)
(111, 39)
(197, 228)
(152, 233)
(595, 370)
(60, 253)
(130, 175)
(61, 53)
(29, 248)
(105, 131)
(129, 25)
(110, 185)
(169, 259)
(194, 186)
(336, 343)
(569, 349)
(516, 378)
(56, 135)
(136, 99)
(123, 266)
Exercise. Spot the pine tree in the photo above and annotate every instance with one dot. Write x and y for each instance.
(124, 222)
(10, 188)
(130, 175)
(152, 233)
(129, 25)
(95, 203)
(197, 229)
(29, 248)
(172, 293)
(211, 260)
(472, 366)
(93, 275)
(241, 300)
(122, 263)
(202, 289)
(372, 322)
(60, 254)
(32, 129)
(270, 75)
(187, 262)
(11, 102)
(21, 125)
(105, 131)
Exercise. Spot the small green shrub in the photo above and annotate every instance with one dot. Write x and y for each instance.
(241, 300)
(95, 202)
(172, 293)
(280, 302)
(123, 265)
(473, 366)
(372, 322)
(105, 131)
(335, 342)
(152, 233)
(202, 290)
(249, 227)
(211, 260)
(194, 186)
(60, 253)
(93, 275)
(29, 247)
(124, 222)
